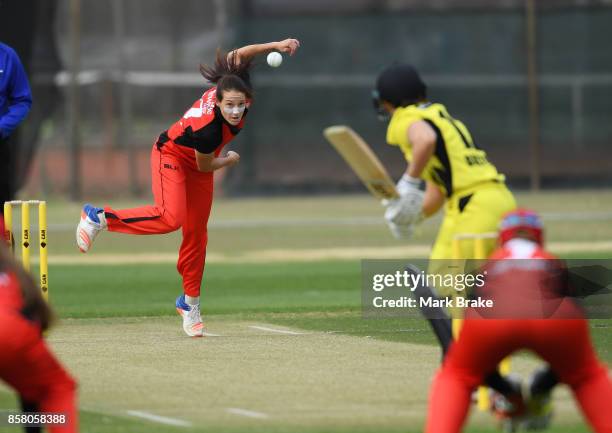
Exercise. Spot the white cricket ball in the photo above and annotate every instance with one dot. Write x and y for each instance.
(275, 59)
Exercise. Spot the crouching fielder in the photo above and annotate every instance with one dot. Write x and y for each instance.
(521, 319)
(26, 364)
(183, 160)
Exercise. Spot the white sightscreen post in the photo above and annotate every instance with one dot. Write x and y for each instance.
(125, 105)
(533, 94)
(74, 137)
(221, 21)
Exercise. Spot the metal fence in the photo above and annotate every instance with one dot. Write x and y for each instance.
(137, 73)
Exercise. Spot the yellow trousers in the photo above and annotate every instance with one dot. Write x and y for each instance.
(475, 210)
(470, 212)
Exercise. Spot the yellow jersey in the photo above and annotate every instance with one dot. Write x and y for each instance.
(457, 162)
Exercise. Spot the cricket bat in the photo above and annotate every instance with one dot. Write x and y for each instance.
(360, 157)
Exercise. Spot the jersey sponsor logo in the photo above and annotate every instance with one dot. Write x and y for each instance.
(209, 105)
(476, 159)
(204, 107)
(194, 112)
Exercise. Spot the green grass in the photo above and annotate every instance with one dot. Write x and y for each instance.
(321, 222)
(323, 297)
(319, 296)
(94, 422)
(106, 291)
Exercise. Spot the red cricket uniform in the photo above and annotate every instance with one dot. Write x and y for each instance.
(562, 342)
(182, 194)
(27, 365)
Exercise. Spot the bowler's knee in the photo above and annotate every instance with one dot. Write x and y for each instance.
(174, 220)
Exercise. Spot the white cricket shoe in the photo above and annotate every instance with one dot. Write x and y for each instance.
(192, 320)
(92, 222)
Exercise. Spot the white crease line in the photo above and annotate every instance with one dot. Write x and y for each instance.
(247, 413)
(159, 419)
(210, 334)
(262, 223)
(279, 331)
(354, 221)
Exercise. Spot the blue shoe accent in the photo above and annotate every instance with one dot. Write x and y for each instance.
(180, 303)
(92, 212)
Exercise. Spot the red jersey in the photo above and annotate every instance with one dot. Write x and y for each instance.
(13, 302)
(525, 281)
(18, 301)
(11, 299)
(202, 127)
(521, 249)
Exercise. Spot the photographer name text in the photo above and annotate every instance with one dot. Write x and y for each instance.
(406, 302)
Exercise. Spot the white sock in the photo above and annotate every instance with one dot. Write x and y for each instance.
(102, 218)
(195, 300)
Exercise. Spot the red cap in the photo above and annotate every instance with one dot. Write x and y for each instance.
(519, 222)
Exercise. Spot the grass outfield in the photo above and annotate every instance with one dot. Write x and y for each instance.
(289, 343)
(319, 296)
(354, 221)
(334, 372)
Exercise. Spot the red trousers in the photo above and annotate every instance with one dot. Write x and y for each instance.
(565, 344)
(28, 366)
(183, 199)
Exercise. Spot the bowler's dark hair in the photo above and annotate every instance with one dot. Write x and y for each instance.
(34, 308)
(229, 73)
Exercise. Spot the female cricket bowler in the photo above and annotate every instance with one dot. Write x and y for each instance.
(26, 364)
(183, 160)
(519, 320)
(440, 150)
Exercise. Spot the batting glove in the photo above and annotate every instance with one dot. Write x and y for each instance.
(401, 231)
(406, 210)
(407, 184)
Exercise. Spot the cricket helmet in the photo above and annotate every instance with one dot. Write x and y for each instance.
(521, 222)
(401, 85)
